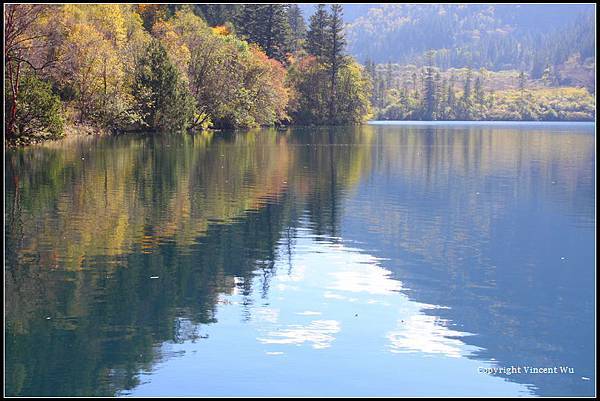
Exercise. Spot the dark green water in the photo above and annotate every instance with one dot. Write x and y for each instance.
(387, 259)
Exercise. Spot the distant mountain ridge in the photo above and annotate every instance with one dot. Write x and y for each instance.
(494, 36)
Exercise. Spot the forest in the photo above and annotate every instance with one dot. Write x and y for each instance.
(428, 93)
(171, 67)
(164, 67)
(481, 62)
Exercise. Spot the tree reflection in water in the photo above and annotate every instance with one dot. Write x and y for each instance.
(90, 220)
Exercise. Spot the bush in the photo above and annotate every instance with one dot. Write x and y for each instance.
(39, 111)
(162, 99)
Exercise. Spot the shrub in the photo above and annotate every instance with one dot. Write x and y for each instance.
(39, 111)
(162, 99)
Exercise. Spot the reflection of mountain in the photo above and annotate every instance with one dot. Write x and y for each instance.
(479, 221)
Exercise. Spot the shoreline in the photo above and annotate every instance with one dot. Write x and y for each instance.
(85, 130)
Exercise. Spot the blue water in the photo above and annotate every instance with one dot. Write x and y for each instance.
(388, 259)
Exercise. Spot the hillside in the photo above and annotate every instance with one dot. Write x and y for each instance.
(496, 37)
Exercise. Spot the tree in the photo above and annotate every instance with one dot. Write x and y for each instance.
(93, 69)
(152, 13)
(479, 92)
(549, 76)
(310, 80)
(308, 77)
(316, 37)
(522, 81)
(97, 53)
(430, 88)
(353, 93)
(163, 101)
(466, 98)
(335, 43)
(218, 14)
(24, 43)
(250, 86)
(297, 27)
(451, 99)
(266, 25)
(39, 111)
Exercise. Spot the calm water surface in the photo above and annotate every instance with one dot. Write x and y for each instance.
(387, 259)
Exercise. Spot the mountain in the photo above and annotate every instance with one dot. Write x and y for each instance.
(351, 11)
(496, 37)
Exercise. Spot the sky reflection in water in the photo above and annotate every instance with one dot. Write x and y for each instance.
(376, 260)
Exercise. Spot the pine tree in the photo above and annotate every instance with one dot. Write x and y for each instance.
(218, 14)
(522, 81)
(451, 100)
(414, 82)
(389, 77)
(371, 71)
(381, 92)
(430, 88)
(466, 99)
(334, 53)
(266, 25)
(164, 101)
(479, 94)
(316, 35)
(439, 95)
(297, 27)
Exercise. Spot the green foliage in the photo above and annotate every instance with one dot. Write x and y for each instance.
(163, 100)
(496, 37)
(39, 110)
(266, 25)
(311, 80)
(353, 95)
(551, 104)
(316, 37)
(218, 14)
(330, 88)
(171, 67)
(297, 27)
(233, 83)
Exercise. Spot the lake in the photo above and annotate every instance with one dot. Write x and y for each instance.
(389, 259)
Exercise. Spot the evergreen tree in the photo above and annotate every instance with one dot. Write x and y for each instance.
(430, 88)
(372, 73)
(522, 82)
(451, 100)
(389, 76)
(316, 37)
(414, 82)
(466, 98)
(38, 109)
(163, 100)
(297, 27)
(334, 53)
(439, 95)
(479, 93)
(218, 14)
(549, 77)
(266, 25)
(381, 92)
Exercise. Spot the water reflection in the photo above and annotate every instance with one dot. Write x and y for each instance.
(496, 224)
(320, 333)
(134, 263)
(429, 334)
